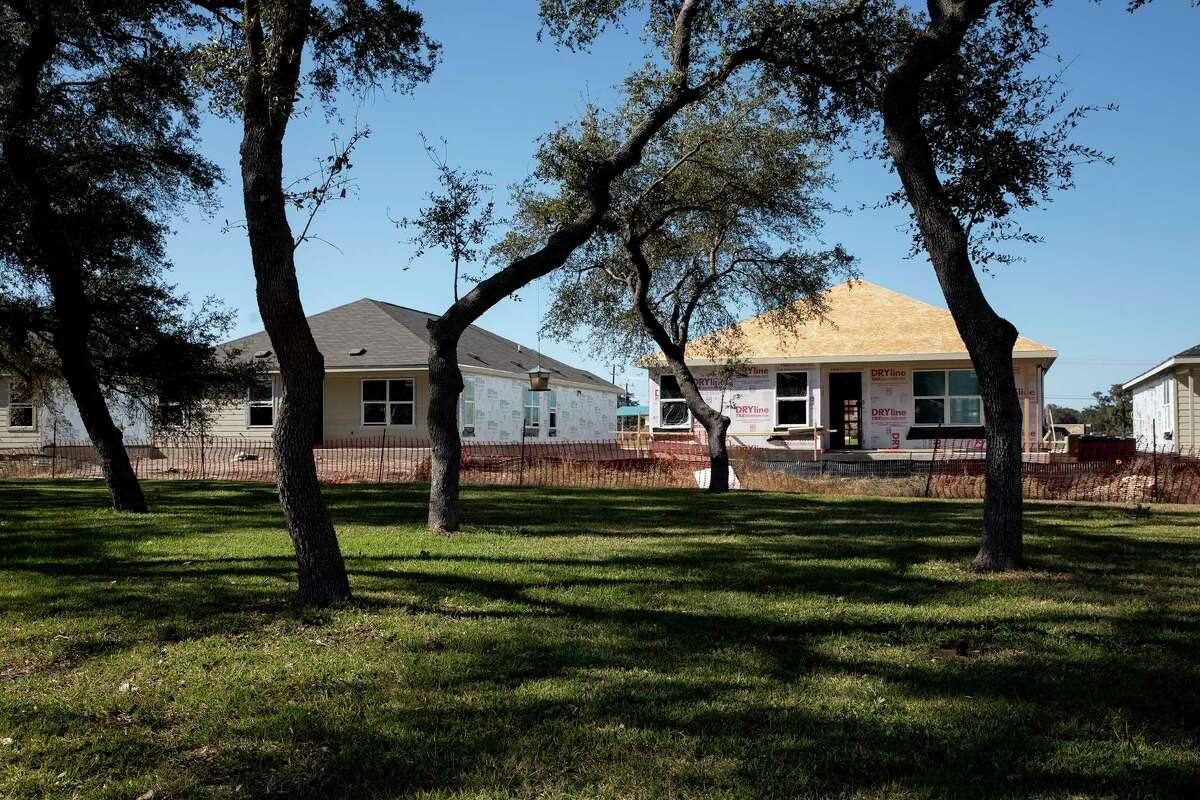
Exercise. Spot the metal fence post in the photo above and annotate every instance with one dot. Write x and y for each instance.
(382, 450)
(521, 464)
(929, 472)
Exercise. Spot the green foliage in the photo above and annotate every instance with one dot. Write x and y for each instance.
(613, 644)
(349, 45)
(458, 219)
(1002, 130)
(1111, 414)
(1064, 415)
(113, 137)
(723, 205)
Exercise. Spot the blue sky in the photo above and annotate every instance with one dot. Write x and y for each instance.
(1113, 287)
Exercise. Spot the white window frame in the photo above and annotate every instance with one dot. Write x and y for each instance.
(15, 406)
(252, 404)
(687, 422)
(388, 402)
(470, 396)
(804, 401)
(945, 397)
(551, 413)
(536, 406)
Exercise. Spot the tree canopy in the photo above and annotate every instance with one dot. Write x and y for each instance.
(99, 153)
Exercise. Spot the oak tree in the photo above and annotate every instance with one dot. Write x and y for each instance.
(265, 60)
(715, 221)
(97, 150)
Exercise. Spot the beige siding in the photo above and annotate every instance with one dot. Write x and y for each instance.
(232, 420)
(343, 406)
(1187, 427)
(343, 410)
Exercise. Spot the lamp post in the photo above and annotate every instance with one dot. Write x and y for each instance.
(539, 381)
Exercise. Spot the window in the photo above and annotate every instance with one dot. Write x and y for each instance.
(1166, 393)
(791, 398)
(467, 413)
(389, 402)
(533, 412)
(261, 400)
(672, 408)
(552, 414)
(20, 406)
(946, 397)
(171, 416)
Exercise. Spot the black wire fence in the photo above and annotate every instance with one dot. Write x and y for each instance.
(950, 469)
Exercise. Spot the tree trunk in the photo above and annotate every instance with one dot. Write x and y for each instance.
(266, 108)
(988, 336)
(718, 453)
(715, 423)
(64, 273)
(106, 437)
(445, 386)
(557, 248)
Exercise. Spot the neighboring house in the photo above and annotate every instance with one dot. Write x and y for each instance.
(881, 371)
(377, 383)
(1165, 401)
(27, 420)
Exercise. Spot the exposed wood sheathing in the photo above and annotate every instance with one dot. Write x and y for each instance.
(864, 319)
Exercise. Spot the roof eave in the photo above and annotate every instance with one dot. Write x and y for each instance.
(870, 358)
(1173, 361)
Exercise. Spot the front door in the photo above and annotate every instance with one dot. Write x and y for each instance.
(845, 410)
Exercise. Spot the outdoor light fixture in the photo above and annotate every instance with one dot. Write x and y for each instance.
(539, 379)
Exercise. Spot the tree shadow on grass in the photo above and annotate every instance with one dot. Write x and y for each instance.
(756, 646)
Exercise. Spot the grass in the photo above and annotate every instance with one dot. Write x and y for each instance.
(593, 643)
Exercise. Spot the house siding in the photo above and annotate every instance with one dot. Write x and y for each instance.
(233, 420)
(1187, 389)
(343, 406)
(583, 414)
(56, 419)
(1154, 405)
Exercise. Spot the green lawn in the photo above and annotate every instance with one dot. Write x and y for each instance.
(583, 643)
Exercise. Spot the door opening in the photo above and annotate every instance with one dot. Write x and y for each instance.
(845, 410)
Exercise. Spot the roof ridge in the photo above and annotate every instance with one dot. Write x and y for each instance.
(397, 305)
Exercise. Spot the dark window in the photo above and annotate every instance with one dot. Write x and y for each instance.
(389, 402)
(931, 411)
(20, 406)
(262, 403)
(673, 411)
(791, 398)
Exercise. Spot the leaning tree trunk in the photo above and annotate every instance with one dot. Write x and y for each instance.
(106, 437)
(445, 459)
(322, 572)
(64, 273)
(988, 336)
(673, 349)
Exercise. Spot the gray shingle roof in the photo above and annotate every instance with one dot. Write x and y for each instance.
(1191, 352)
(392, 337)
